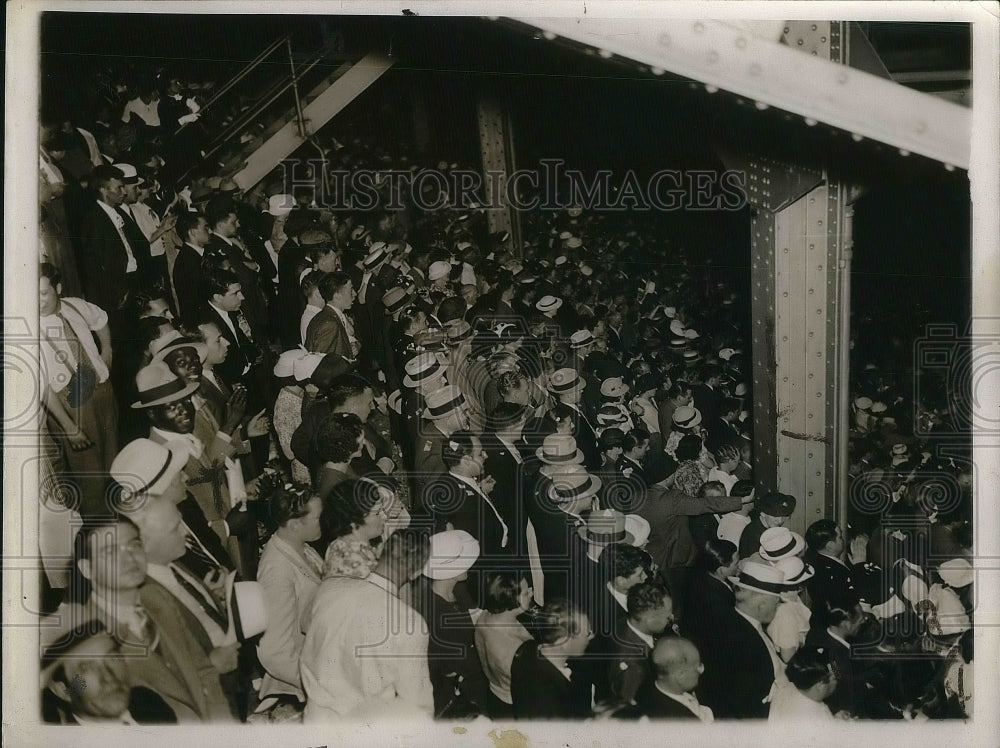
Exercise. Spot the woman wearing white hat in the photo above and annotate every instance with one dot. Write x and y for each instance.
(460, 687)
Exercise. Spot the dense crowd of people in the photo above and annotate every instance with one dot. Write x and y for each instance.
(315, 465)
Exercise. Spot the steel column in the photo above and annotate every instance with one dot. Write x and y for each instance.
(493, 135)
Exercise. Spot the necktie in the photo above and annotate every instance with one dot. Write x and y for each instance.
(197, 558)
(143, 627)
(119, 220)
(241, 322)
(362, 293)
(205, 599)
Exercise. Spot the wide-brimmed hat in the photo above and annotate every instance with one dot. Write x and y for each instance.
(863, 403)
(453, 552)
(458, 330)
(637, 528)
(612, 415)
(145, 467)
(431, 340)
(571, 483)
(559, 449)
(280, 205)
(157, 385)
(285, 365)
(580, 339)
(796, 570)
(614, 387)
(442, 402)
(548, 304)
(761, 578)
(565, 380)
(306, 366)
(686, 417)
(129, 174)
(423, 369)
(777, 543)
(438, 270)
(247, 611)
(777, 504)
(174, 341)
(396, 299)
(957, 572)
(603, 527)
(376, 254)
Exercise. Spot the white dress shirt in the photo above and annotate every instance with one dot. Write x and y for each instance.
(119, 223)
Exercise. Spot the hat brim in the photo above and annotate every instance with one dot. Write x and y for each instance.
(200, 348)
(800, 544)
(595, 487)
(735, 581)
(692, 424)
(414, 383)
(577, 458)
(246, 608)
(189, 389)
(578, 385)
(627, 537)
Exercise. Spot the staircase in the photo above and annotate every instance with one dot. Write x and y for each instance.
(261, 116)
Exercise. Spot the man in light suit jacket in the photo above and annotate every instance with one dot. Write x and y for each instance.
(330, 330)
(210, 470)
(161, 651)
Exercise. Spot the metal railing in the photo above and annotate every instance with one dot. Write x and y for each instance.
(263, 101)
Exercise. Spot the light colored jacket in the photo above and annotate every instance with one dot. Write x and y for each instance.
(289, 585)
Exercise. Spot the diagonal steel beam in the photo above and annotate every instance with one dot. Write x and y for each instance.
(730, 58)
(321, 110)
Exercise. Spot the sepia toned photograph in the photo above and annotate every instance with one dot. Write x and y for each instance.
(501, 375)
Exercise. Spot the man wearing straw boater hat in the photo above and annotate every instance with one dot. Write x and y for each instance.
(213, 477)
(741, 662)
(567, 385)
(444, 414)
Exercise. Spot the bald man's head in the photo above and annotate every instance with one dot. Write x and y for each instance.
(677, 664)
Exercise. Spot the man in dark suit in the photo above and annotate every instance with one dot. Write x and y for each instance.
(245, 361)
(678, 668)
(741, 662)
(650, 615)
(225, 242)
(722, 429)
(330, 331)
(503, 463)
(112, 264)
(708, 393)
(187, 274)
(567, 386)
(461, 498)
(772, 510)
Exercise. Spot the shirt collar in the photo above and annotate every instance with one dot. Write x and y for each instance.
(469, 482)
(836, 637)
(621, 599)
(646, 638)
